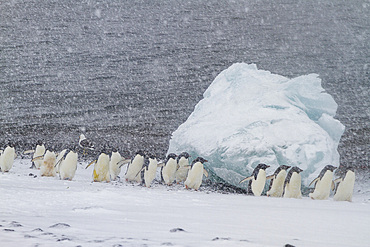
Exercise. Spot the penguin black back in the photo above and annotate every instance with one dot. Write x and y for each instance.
(325, 169)
(277, 171)
(290, 173)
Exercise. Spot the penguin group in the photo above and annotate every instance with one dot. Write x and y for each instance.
(288, 184)
(142, 168)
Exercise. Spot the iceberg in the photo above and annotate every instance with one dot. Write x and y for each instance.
(249, 116)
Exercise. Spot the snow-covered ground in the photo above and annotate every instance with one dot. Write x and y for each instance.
(44, 211)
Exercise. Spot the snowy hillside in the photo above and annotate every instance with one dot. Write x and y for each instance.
(42, 211)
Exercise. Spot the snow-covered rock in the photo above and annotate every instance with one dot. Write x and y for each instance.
(250, 116)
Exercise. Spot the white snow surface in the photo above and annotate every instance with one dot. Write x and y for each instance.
(250, 116)
(46, 211)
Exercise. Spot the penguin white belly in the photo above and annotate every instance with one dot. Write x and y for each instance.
(322, 188)
(293, 188)
(67, 167)
(195, 176)
(134, 168)
(168, 172)
(150, 174)
(114, 168)
(259, 184)
(277, 185)
(345, 188)
(7, 159)
(183, 170)
(40, 151)
(59, 157)
(47, 168)
(101, 169)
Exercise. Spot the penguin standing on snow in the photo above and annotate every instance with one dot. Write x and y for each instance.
(344, 189)
(257, 180)
(195, 174)
(101, 168)
(182, 167)
(277, 181)
(323, 183)
(60, 157)
(169, 169)
(149, 170)
(68, 165)
(293, 183)
(7, 158)
(47, 168)
(114, 164)
(38, 152)
(134, 167)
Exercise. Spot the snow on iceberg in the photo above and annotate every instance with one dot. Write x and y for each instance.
(250, 116)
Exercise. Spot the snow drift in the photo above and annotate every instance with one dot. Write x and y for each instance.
(250, 116)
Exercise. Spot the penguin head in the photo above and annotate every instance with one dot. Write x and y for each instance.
(171, 156)
(183, 154)
(199, 159)
(296, 169)
(150, 156)
(330, 168)
(39, 142)
(114, 150)
(140, 152)
(284, 167)
(262, 166)
(10, 144)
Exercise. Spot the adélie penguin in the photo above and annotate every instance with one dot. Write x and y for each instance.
(277, 181)
(169, 169)
(101, 168)
(7, 158)
(257, 180)
(293, 183)
(114, 164)
(149, 170)
(195, 174)
(134, 168)
(39, 152)
(60, 157)
(68, 165)
(182, 167)
(323, 183)
(346, 183)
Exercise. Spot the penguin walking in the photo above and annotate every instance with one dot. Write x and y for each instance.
(323, 183)
(149, 170)
(195, 174)
(277, 181)
(39, 152)
(134, 168)
(101, 168)
(7, 158)
(257, 180)
(293, 183)
(85, 144)
(114, 164)
(346, 183)
(169, 169)
(47, 168)
(68, 165)
(182, 167)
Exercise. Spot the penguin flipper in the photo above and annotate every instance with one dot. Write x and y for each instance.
(270, 177)
(92, 162)
(123, 162)
(332, 185)
(205, 172)
(314, 181)
(29, 151)
(246, 179)
(160, 164)
(142, 169)
(337, 180)
(38, 158)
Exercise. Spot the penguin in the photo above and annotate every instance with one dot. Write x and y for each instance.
(195, 174)
(7, 158)
(47, 167)
(114, 164)
(323, 183)
(39, 152)
(257, 180)
(85, 144)
(169, 169)
(101, 168)
(134, 167)
(182, 167)
(149, 170)
(293, 183)
(68, 165)
(346, 183)
(277, 181)
(60, 156)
